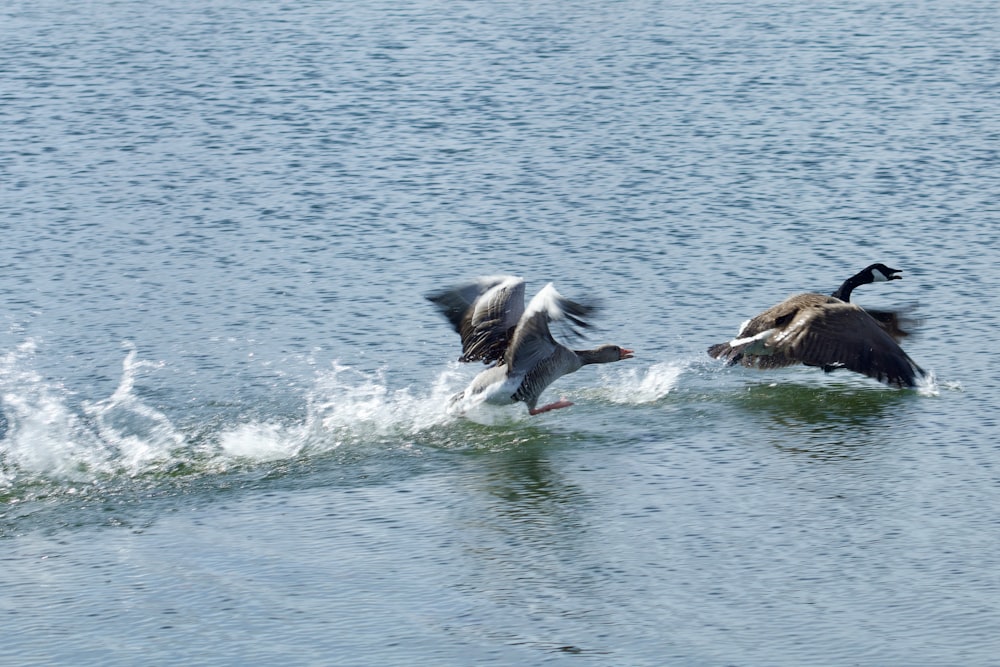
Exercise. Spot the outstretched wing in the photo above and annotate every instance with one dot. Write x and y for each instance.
(780, 314)
(533, 343)
(755, 332)
(484, 312)
(845, 336)
(896, 323)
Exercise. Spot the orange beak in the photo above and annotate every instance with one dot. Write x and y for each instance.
(626, 354)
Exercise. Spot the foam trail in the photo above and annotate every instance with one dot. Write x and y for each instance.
(48, 437)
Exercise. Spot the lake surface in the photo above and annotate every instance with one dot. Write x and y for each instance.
(224, 435)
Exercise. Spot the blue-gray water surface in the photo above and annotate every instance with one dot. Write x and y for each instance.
(225, 436)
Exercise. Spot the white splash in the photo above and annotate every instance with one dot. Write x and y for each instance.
(929, 385)
(43, 435)
(632, 386)
(52, 435)
(137, 433)
(344, 407)
(480, 412)
(261, 442)
(46, 436)
(346, 402)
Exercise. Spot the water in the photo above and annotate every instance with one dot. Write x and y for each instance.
(224, 434)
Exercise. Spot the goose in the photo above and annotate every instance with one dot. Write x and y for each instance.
(829, 332)
(496, 328)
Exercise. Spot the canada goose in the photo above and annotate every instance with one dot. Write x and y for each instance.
(826, 331)
(495, 327)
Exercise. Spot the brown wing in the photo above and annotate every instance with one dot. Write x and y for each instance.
(781, 314)
(842, 335)
(775, 317)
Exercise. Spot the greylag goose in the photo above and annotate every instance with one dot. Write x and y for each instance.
(826, 331)
(496, 328)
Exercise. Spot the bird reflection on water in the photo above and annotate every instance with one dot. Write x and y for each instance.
(827, 421)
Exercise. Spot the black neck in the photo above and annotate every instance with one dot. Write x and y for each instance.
(844, 291)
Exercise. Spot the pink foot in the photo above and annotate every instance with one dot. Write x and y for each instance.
(561, 403)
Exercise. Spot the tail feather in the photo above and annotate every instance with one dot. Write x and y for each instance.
(732, 355)
(719, 350)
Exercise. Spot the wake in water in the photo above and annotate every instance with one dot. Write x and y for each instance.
(49, 435)
(46, 434)
(46, 437)
(345, 407)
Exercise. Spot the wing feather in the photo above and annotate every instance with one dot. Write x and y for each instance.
(845, 336)
(780, 314)
(816, 330)
(896, 323)
(483, 312)
(532, 342)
